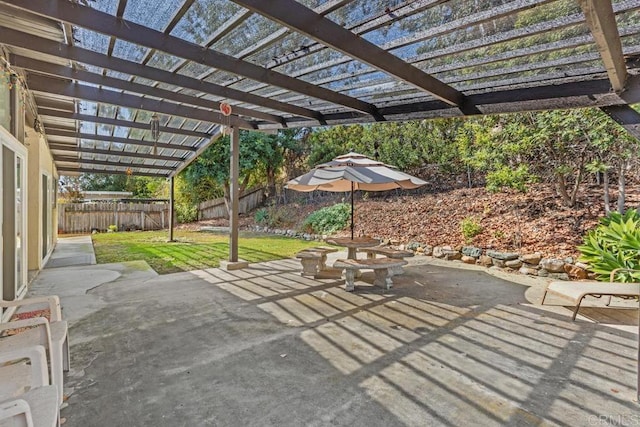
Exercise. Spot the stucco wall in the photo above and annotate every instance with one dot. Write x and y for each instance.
(39, 161)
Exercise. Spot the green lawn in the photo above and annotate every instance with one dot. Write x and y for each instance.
(192, 250)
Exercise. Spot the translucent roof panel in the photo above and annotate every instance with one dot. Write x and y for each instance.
(164, 61)
(155, 14)
(203, 19)
(129, 51)
(251, 31)
(91, 40)
(195, 70)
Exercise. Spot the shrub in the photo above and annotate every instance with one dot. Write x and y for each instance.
(186, 212)
(470, 228)
(614, 243)
(261, 216)
(328, 220)
(113, 228)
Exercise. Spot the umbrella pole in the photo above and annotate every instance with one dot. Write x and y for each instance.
(351, 210)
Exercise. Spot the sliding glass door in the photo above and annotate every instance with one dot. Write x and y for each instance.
(13, 267)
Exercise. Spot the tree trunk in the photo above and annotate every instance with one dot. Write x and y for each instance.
(621, 187)
(576, 187)
(561, 188)
(607, 198)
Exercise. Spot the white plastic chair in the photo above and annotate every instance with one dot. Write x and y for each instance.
(54, 337)
(36, 407)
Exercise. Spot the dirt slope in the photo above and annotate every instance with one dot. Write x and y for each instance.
(535, 221)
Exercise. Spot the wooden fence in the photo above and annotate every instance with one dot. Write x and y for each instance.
(86, 217)
(216, 208)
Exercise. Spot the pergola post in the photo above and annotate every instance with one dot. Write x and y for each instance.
(235, 194)
(171, 208)
(234, 189)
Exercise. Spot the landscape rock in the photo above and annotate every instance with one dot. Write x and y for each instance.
(468, 259)
(559, 276)
(428, 249)
(532, 259)
(452, 255)
(439, 251)
(543, 273)
(485, 260)
(503, 256)
(582, 265)
(412, 246)
(498, 262)
(420, 250)
(552, 265)
(528, 271)
(514, 263)
(472, 251)
(575, 272)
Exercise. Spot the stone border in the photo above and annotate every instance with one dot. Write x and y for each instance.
(530, 264)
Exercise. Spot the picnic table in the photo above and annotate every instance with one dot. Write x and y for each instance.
(352, 245)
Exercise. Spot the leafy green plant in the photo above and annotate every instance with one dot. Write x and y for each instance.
(186, 212)
(261, 216)
(614, 243)
(328, 220)
(113, 228)
(470, 228)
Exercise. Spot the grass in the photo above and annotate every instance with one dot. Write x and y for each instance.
(192, 250)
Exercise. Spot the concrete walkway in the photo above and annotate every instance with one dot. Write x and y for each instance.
(266, 347)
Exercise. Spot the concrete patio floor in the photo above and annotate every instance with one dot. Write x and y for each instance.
(266, 347)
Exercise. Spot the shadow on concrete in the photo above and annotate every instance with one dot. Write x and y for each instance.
(265, 346)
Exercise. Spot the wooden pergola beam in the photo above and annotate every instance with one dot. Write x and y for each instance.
(40, 83)
(107, 24)
(33, 43)
(601, 21)
(296, 16)
(85, 76)
(68, 115)
(53, 133)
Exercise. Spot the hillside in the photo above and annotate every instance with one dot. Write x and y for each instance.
(531, 222)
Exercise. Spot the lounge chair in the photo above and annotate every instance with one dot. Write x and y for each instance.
(55, 339)
(577, 290)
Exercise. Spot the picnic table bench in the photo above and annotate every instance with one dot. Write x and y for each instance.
(389, 253)
(314, 260)
(381, 267)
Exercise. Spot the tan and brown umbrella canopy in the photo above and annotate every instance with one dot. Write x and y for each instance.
(351, 172)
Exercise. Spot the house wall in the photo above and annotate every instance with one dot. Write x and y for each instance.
(39, 162)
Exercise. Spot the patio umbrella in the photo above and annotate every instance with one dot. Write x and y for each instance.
(351, 172)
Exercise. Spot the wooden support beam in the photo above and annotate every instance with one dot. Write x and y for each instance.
(601, 21)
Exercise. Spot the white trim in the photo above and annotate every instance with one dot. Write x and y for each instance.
(20, 151)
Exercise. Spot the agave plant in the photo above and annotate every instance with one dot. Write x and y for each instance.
(614, 243)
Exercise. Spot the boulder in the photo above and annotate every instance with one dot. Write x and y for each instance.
(468, 259)
(498, 262)
(485, 260)
(471, 251)
(575, 272)
(559, 276)
(428, 250)
(514, 263)
(420, 250)
(452, 255)
(503, 256)
(439, 251)
(532, 259)
(528, 271)
(582, 265)
(543, 273)
(552, 265)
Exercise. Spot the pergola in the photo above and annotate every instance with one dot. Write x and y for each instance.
(99, 70)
